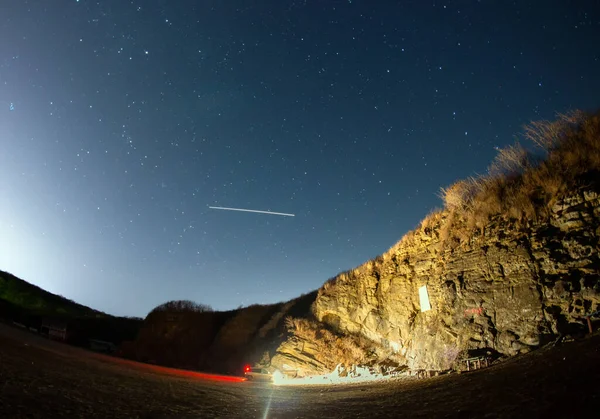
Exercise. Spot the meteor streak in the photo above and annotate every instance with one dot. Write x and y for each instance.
(250, 210)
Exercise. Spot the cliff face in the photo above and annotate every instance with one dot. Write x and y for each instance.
(502, 289)
(505, 290)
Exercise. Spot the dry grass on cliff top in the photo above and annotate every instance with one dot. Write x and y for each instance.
(521, 186)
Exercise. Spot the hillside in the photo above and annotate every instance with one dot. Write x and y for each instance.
(25, 296)
(27, 304)
(215, 341)
(511, 263)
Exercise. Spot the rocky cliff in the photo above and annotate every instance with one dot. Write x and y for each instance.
(511, 263)
(507, 290)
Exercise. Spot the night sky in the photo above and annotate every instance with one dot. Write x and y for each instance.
(121, 122)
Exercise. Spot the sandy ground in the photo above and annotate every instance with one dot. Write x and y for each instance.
(43, 379)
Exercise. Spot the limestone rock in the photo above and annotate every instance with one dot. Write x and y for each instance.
(504, 291)
(296, 357)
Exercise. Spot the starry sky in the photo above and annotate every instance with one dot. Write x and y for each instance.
(121, 122)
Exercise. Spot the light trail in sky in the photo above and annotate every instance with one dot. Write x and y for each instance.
(250, 210)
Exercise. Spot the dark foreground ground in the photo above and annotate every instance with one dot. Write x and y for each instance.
(43, 379)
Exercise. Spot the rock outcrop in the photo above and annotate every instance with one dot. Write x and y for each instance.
(503, 290)
(511, 262)
(298, 357)
(506, 290)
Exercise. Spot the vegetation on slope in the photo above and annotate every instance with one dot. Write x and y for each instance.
(28, 304)
(520, 186)
(26, 296)
(181, 306)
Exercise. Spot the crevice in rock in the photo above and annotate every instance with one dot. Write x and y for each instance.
(537, 269)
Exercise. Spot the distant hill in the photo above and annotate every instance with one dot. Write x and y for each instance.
(29, 305)
(26, 296)
(179, 334)
(217, 341)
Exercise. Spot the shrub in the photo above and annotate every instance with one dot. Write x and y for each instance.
(510, 161)
(549, 135)
(460, 195)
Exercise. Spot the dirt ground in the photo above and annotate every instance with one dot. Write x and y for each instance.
(44, 379)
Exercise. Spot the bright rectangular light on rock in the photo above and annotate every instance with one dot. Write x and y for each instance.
(424, 297)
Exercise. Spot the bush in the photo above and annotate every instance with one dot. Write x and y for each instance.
(179, 306)
(550, 135)
(460, 195)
